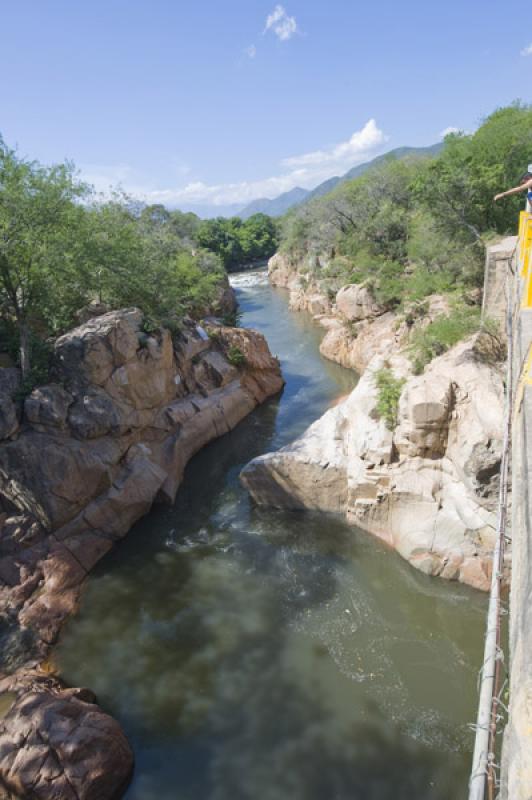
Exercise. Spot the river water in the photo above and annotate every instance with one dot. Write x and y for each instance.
(253, 654)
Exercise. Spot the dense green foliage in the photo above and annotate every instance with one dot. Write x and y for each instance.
(62, 247)
(239, 242)
(389, 388)
(414, 226)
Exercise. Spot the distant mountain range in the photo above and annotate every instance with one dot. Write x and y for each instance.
(276, 207)
(280, 205)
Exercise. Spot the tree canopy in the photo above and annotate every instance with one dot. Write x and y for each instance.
(61, 247)
(239, 242)
(412, 226)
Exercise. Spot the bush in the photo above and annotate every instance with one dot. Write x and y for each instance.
(173, 324)
(235, 356)
(149, 326)
(441, 334)
(232, 319)
(390, 389)
(441, 261)
(423, 282)
(389, 285)
(415, 311)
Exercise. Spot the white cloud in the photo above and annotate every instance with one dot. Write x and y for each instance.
(251, 51)
(446, 131)
(281, 24)
(527, 51)
(361, 142)
(306, 170)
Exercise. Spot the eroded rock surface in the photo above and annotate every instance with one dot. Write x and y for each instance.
(111, 434)
(91, 452)
(357, 326)
(423, 488)
(57, 743)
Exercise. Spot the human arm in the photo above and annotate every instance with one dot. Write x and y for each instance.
(516, 190)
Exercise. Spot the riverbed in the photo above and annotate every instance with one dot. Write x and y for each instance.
(254, 654)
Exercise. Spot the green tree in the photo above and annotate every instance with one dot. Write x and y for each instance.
(459, 186)
(239, 242)
(140, 260)
(38, 214)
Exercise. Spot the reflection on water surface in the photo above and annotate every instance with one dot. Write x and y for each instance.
(252, 653)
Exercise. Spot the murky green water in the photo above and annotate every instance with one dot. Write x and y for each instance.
(253, 654)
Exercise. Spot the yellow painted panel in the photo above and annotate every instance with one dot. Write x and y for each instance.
(525, 244)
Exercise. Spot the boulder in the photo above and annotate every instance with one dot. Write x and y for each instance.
(47, 406)
(94, 414)
(354, 345)
(90, 353)
(355, 303)
(92, 459)
(318, 304)
(424, 413)
(61, 745)
(53, 478)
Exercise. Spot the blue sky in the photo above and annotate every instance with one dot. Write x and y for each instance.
(220, 102)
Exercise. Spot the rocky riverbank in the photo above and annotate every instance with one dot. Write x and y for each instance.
(82, 459)
(428, 487)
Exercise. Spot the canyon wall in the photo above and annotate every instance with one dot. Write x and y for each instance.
(429, 486)
(81, 460)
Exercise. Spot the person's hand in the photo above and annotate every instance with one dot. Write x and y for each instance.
(497, 197)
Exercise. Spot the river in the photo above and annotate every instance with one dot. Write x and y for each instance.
(253, 654)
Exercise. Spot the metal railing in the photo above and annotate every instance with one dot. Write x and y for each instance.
(483, 781)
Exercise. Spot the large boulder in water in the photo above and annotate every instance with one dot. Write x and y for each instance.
(61, 746)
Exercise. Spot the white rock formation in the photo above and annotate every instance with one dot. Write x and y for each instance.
(424, 488)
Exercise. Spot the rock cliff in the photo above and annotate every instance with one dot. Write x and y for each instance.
(357, 327)
(81, 459)
(427, 487)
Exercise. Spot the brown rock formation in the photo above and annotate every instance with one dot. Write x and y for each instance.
(94, 449)
(57, 743)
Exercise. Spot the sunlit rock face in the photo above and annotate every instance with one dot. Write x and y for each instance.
(426, 488)
(357, 326)
(85, 458)
(111, 434)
